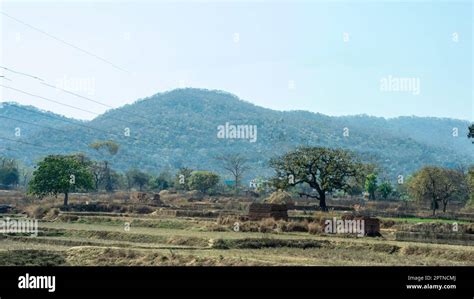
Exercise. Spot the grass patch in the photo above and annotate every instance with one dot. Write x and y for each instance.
(265, 243)
(414, 220)
(31, 258)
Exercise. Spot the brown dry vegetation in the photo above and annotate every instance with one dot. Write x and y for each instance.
(91, 231)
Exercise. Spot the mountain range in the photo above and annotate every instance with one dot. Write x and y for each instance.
(180, 128)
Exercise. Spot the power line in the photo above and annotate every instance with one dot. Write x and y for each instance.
(53, 117)
(33, 124)
(47, 127)
(49, 100)
(67, 105)
(147, 120)
(20, 73)
(97, 102)
(100, 130)
(19, 141)
(78, 95)
(56, 118)
(64, 42)
(43, 126)
(5, 78)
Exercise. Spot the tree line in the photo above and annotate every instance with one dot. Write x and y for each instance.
(311, 172)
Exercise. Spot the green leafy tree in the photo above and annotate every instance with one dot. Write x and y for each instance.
(58, 174)
(371, 185)
(322, 169)
(435, 185)
(203, 181)
(182, 178)
(9, 173)
(138, 178)
(162, 182)
(357, 183)
(385, 189)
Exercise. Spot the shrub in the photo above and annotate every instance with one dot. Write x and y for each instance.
(268, 224)
(314, 228)
(296, 226)
(282, 226)
(203, 180)
(37, 212)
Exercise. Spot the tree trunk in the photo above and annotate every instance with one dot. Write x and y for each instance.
(322, 202)
(445, 204)
(237, 182)
(66, 196)
(372, 195)
(108, 179)
(434, 205)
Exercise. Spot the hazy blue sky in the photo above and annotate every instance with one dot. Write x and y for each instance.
(282, 55)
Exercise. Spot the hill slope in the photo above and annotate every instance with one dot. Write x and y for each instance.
(179, 128)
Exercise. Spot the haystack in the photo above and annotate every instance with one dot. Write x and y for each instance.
(279, 197)
(275, 206)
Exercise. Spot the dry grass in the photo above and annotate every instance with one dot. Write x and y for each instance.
(98, 238)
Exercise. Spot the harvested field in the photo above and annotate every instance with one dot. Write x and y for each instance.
(165, 241)
(221, 233)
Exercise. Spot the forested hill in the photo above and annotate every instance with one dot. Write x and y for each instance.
(180, 128)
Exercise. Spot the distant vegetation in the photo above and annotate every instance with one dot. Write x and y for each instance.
(311, 172)
(60, 175)
(169, 141)
(177, 129)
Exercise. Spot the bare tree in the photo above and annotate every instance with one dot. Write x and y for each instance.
(236, 164)
(111, 148)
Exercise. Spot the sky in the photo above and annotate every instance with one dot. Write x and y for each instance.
(384, 58)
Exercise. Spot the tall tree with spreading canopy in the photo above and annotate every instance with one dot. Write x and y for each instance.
(323, 169)
(138, 178)
(436, 185)
(58, 174)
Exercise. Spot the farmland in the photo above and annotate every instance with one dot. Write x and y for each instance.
(214, 235)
